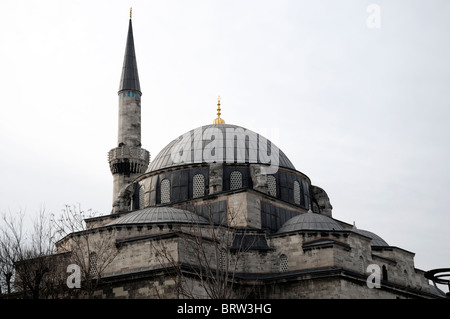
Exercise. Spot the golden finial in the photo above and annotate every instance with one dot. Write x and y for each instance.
(218, 120)
(130, 12)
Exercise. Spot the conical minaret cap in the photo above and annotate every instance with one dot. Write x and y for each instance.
(129, 80)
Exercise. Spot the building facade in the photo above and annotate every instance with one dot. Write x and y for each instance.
(221, 212)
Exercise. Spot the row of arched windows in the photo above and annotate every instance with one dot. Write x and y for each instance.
(236, 182)
(198, 188)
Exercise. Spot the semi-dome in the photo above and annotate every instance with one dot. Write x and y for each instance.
(376, 240)
(154, 215)
(220, 143)
(310, 221)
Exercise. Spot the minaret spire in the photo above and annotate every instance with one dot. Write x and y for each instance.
(128, 160)
(130, 77)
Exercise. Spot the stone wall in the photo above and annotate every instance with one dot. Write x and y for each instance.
(319, 264)
(154, 287)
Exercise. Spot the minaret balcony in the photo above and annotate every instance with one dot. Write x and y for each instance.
(128, 160)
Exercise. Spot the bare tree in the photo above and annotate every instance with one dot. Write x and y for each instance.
(207, 258)
(24, 261)
(93, 250)
(11, 233)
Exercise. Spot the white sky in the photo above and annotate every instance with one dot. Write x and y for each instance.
(362, 111)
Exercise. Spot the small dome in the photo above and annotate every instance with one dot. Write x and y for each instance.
(376, 240)
(310, 221)
(152, 215)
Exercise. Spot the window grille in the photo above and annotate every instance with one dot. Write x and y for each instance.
(165, 191)
(93, 264)
(283, 263)
(297, 192)
(198, 185)
(141, 197)
(222, 260)
(235, 180)
(272, 185)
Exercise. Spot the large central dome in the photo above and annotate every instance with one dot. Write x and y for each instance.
(220, 143)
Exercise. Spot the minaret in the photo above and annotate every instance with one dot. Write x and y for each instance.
(128, 160)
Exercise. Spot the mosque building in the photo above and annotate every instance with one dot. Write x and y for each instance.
(221, 212)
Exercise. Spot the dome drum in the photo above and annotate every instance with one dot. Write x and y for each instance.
(194, 181)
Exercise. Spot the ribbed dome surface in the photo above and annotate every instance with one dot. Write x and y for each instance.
(243, 146)
(310, 221)
(376, 240)
(152, 215)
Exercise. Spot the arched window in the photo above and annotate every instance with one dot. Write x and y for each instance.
(222, 260)
(305, 191)
(297, 193)
(235, 180)
(283, 263)
(141, 196)
(165, 191)
(272, 185)
(198, 185)
(385, 273)
(361, 265)
(93, 264)
(405, 278)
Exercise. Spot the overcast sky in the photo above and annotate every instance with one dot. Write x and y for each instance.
(363, 111)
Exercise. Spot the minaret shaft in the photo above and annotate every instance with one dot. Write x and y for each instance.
(129, 132)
